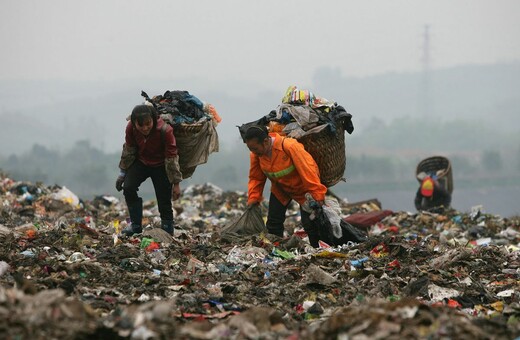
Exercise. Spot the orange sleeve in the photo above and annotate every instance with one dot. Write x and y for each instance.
(307, 169)
(257, 178)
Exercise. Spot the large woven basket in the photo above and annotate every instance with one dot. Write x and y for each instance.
(439, 165)
(187, 129)
(328, 150)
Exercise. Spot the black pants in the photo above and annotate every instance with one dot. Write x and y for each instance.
(137, 174)
(276, 218)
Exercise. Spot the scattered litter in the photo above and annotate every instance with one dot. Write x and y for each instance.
(65, 274)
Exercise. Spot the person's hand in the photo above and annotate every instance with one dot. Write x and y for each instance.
(176, 191)
(119, 182)
(252, 204)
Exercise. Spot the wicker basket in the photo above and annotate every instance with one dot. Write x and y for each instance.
(187, 129)
(439, 165)
(328, 150)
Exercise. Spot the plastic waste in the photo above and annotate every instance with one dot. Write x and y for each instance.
(77, 257)
(484, 241)
(283, 254)
(67, 196)
(359, 263)
(28, 253)
(437, 293)
(4, 267)
(194, 264)
(381, 250)
(315, 274)
(335, 221)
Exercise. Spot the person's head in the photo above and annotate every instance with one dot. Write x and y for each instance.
(144, 118)
(427, 187)
(257, 140)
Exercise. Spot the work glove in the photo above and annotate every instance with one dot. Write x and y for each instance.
(176, 191)
(120, 180)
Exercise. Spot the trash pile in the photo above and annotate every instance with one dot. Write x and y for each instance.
(66, 272)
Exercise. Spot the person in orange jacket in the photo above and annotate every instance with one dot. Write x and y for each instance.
(293, 174)
(431, 195)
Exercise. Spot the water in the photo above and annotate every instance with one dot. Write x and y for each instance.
(503, 201)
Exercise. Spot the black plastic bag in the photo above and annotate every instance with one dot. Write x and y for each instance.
(348, 231)
(243, 128)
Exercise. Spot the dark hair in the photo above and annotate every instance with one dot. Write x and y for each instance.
(142, 112)
(258, 132)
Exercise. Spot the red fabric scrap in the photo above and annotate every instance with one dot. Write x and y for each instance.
(366, 220)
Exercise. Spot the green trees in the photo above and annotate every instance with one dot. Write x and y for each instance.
(384, 156)
(83, 169)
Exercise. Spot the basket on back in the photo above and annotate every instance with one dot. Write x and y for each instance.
(194, 126)
(317, 123)
(185, 129)
(439, 166)
(328, 150)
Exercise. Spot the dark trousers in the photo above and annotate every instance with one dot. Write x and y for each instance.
(136, 175)
(276, 219)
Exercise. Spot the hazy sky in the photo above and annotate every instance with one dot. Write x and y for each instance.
(269, 42)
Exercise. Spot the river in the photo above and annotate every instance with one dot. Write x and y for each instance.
(499, 200)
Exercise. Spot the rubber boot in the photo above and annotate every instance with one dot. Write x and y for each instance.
(136, 218)
(167, 226)
(314, 240)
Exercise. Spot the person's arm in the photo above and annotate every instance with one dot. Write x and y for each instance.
(307, 169)
(171, 157)
(418, 200)
(129, 153)
(174, 175)
(257, 178)
(171, 162)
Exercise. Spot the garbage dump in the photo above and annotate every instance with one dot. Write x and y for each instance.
(66, 272)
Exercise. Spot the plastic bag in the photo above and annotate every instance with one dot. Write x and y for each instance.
(249, 223)
(329, 232)
(332, 211)
(66, 195)
(243, 128)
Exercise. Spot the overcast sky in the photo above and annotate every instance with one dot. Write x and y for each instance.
(268, 42)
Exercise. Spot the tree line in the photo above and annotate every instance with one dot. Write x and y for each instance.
(88, 171)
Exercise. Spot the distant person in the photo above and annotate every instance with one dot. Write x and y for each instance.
(431, 194)
(149, 152)
(293, 173)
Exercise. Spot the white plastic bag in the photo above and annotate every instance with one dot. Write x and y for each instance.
(334, 219)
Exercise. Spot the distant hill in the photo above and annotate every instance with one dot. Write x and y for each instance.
(473, 93)
(57, 114)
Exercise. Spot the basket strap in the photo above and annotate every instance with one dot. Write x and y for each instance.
(163, 134)
(283, 172)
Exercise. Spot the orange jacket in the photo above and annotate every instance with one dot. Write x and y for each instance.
(292, 171)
